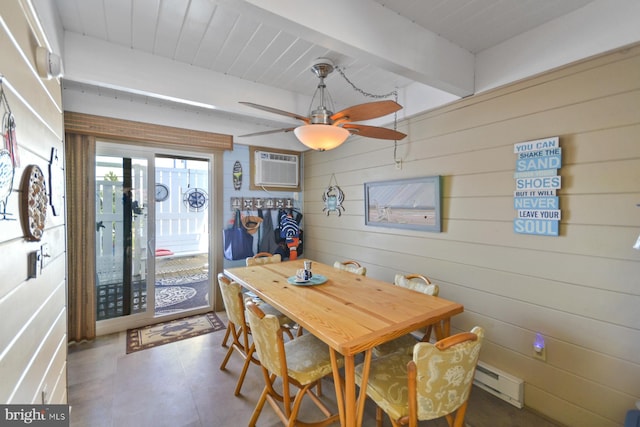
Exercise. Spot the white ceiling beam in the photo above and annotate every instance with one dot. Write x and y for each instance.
(365, 29)
(598, 27)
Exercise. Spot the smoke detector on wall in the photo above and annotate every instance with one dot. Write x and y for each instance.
(48, 63)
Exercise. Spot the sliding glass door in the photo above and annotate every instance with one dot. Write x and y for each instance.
(152, 235)
(182, 281)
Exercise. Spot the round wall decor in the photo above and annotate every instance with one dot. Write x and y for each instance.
(34, 202)
(162, 192)
(195, 199)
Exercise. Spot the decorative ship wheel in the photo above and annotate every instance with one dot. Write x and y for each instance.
(196, 199)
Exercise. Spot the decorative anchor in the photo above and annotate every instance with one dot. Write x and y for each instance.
(333, 198)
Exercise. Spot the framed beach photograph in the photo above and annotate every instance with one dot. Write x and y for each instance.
(404, 203)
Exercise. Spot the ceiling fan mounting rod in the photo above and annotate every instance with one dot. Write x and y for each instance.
(321, 67)
(321, 115)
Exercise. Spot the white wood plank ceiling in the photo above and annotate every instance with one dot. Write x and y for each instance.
(382, 45)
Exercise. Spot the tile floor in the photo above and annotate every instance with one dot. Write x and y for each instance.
(180, 385)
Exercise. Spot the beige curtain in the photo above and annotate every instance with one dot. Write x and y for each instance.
(80, 151)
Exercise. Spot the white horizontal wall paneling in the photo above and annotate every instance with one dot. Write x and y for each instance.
(33, 340)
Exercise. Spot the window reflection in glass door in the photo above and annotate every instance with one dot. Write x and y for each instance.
(121, 241)
(182, 234)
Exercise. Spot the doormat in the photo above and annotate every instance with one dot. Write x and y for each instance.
(172, 331)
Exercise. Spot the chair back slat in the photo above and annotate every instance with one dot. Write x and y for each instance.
(417, 282)
(263, 258)
(444, 377)
(350, 265)
(232, 299)
(267, 337)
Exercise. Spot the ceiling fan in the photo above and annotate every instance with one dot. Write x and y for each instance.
(323, 129)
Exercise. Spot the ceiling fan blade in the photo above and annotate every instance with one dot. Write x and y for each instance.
(374, 131)
(267, 132)
(276, 111)
(370, 110)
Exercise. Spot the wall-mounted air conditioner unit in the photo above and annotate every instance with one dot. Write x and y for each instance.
(276, 169)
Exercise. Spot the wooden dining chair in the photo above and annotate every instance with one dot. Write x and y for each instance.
(302, 363)
(263, 258)
(418, 283)
(239, 331)
(257, 259)
(432, 383)
(352, 266)
(268, 258)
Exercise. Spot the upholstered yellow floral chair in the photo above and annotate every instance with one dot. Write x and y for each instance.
(257, 259)
(352, 266)
(238, 328)
(263, 258)
(418, 283)
(302, 363)
(432, 383)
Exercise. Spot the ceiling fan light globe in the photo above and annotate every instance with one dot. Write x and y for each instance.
(321, 137)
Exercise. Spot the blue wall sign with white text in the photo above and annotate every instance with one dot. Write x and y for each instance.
(538, 144)
(539, 163)
(538, 183)
(536, 226)
(536, 176)
(536, 203)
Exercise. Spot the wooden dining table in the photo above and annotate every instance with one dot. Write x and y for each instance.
(350, 313)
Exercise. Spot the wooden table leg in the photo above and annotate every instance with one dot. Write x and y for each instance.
(363, 385)
(337, 380)
(351, 410)
(349, 392)
(443, 329)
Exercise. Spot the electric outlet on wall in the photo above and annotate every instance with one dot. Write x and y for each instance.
(540, 348)
(540, 355)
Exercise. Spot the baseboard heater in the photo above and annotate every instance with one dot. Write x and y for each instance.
(500, 384)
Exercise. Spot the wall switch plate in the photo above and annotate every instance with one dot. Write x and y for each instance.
(34, 264)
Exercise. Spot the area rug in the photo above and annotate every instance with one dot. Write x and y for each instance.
(181, 293)
(172, 331)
